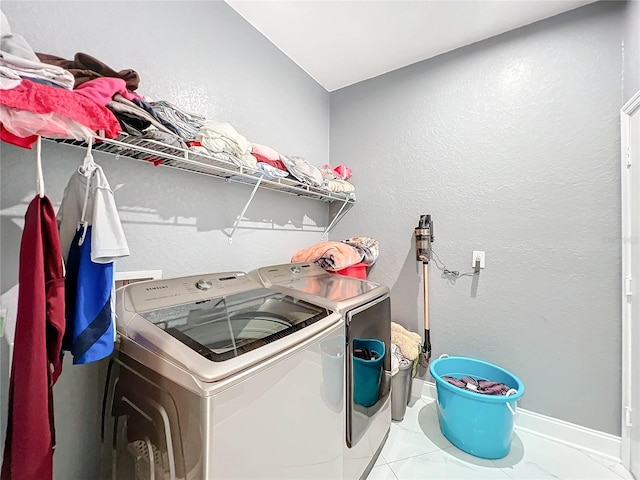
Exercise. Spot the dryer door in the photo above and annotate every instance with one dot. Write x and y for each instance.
(368, 365)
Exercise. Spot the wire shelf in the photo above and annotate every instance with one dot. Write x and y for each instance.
(219, 165)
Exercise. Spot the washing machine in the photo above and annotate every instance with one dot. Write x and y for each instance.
(218, 377)
(365, 309)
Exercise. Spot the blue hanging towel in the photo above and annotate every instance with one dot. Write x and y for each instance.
(88, 293)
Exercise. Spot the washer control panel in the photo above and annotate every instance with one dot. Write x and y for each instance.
(145, 296)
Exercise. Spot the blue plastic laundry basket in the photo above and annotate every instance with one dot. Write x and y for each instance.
(479, 424)
(367, 373)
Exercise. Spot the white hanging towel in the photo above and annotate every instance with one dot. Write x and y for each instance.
(91, 237)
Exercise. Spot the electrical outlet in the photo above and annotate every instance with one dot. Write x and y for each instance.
(477, 255)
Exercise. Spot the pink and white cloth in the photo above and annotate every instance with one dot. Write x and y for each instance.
(267, 155)
(101, 90)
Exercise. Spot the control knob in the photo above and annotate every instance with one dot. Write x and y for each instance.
(203, 284)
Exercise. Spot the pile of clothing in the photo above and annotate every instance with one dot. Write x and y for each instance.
(51, 96)
(38, 98)
(116, 90)
(334, 256)
(405, 347)
(485, 387)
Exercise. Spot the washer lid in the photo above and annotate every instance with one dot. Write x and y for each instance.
(223, 328)
(314, 281)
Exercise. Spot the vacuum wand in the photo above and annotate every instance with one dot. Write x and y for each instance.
(424, 238)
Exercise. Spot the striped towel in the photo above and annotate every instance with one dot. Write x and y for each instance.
(188, 124)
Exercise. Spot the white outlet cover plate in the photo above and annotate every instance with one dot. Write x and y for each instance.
(477, 254)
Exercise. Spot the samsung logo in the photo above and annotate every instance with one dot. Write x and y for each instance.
(159, 287)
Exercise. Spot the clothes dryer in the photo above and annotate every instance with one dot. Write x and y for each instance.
(218, 377)
(365, 309)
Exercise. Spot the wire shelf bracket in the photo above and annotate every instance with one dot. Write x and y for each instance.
(341, 213)
(244, 210)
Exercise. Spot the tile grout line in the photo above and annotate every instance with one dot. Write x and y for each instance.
(616, 473)
(428, 401)
(503, 470)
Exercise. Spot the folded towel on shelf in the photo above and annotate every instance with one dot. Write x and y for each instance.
(222, 137)
(267, 155)
(408, 342)
(37, 70)
(338, 186)
(17, 56)
(188, 124)
(84, 67)
(270, 171)
(303, 170)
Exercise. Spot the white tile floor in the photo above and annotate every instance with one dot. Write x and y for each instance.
(417, 449)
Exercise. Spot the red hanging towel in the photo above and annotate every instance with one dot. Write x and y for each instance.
(37, 362)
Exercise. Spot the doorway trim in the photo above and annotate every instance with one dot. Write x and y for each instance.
(629, 284)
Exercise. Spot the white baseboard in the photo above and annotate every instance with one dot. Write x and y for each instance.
(601, 443)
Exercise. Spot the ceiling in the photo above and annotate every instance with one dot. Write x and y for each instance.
(342, 42)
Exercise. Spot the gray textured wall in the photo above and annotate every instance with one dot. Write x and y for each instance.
(512, 144)
(632, 49)
(206, 58)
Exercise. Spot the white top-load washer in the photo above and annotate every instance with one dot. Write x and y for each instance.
(218, 377)
(365, 308)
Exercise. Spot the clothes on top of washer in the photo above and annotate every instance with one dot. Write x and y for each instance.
(367, 247)
(92, 238)
(330, 255)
